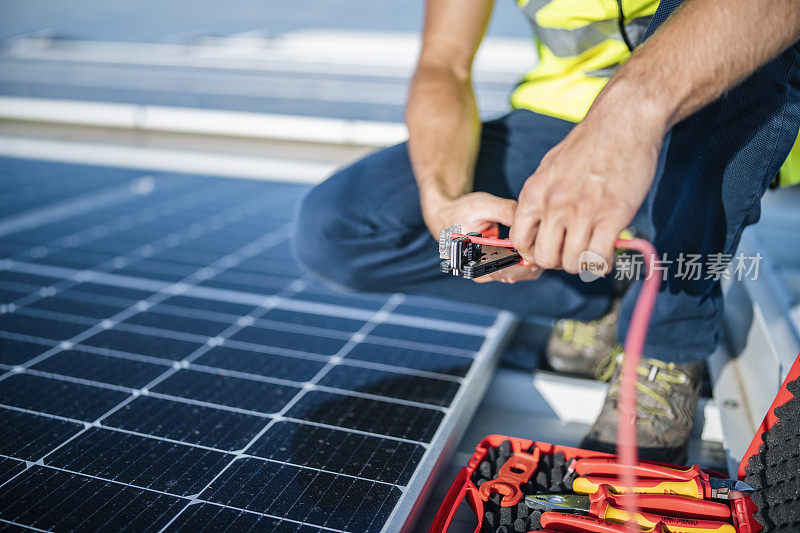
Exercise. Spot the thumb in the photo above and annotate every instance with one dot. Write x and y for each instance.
(496, 209)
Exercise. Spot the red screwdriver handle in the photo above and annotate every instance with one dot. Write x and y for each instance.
(605, 466)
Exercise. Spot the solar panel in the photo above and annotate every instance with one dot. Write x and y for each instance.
(165, 365)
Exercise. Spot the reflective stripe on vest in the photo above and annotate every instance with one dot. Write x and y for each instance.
(580, 46)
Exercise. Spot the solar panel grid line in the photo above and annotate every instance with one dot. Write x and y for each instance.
(168, 371)
(390, 304)
(144, 391)
(373, 434)
(348, 362)
(124, 355)
(333, 389)
(73, 277)
(126, 313)
(404, 320)
(387, 399)
(67, 208)
(276, 418)
(23, 526)
(118, 224)
(169, 240)
(234, 456)
(285, 418)
(250, 512)
(84, 335)
(41, 460)
(478, 374)
(421, 346)
(42, 414)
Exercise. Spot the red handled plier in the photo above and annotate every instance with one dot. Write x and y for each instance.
(654, 479)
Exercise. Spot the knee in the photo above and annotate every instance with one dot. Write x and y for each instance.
(326, 222)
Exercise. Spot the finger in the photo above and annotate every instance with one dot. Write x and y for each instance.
(575, 243)
(512, 274)
(549, 243)
(523, 234)
(495, 209)
(602, 242)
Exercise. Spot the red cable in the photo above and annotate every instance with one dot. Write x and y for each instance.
(627, 449)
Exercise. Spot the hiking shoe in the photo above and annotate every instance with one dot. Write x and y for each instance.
(667, 395)
(578, 348)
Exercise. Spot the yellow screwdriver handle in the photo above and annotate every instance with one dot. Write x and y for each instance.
(691, 489)
(672, 524)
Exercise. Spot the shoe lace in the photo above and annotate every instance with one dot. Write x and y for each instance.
(656, 380)
(579, 334)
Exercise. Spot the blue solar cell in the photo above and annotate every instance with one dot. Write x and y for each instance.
(376, 458)
(211, 517)
(197, 326)
(391, 384)
(101, 368)
(454, 314)
(39, 327)
(305, 495)
(9, 295)
(54, 500)
(162, 270)
(73, 307)
(29, 279)
(300, 342)
(71, 258)
(195, 424)
(246, 282)
(138, 343)
(113, 290)
(62, 398)
(373, 416)
(15, 352)
(145, 462)
(210, 305)
(318, 321)
(455, 365)
(29, 436)
(262, 364)
(232, 391)
(429, 336)
(345, 300)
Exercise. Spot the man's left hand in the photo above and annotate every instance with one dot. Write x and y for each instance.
(588, 188)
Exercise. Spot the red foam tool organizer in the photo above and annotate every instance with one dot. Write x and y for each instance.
(462, 488)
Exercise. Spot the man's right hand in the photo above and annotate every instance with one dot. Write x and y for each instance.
(476, 211)
(482, 212)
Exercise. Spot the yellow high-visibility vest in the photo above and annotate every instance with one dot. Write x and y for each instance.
(581, 43)
(790, 171)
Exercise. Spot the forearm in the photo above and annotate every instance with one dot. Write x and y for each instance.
(705, 48)
(444, 132)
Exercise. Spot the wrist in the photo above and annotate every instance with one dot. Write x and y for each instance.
(435, 196)
(649, 106)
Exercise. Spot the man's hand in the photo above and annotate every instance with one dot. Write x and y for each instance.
(476, 211)
(481, 212)
(588, 188)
